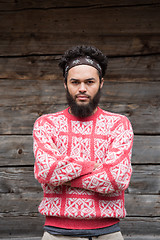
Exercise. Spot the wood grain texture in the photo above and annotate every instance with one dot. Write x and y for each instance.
(20, 119)
(142, 226)
(116, 20)
(126, 20)
(28, 44)
(28, 4)
(20, 180)
(26, 100)
(16, 93)
(32, 227)
(126, 30)
(124, 69)
(21, 227)
(34, 34)
(17, 150)
(14, 205)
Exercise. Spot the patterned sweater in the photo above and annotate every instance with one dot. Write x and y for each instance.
(95, 198)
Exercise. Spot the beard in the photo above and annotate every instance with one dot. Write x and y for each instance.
(86, 110)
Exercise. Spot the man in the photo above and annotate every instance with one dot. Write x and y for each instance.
(83, 156)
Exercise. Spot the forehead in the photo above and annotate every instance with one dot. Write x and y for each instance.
(83, 72)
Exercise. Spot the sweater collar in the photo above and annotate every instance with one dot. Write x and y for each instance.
(72, 117)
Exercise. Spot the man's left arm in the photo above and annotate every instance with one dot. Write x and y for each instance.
(115, 172)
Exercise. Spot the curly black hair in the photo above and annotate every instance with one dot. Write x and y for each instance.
(81, 51)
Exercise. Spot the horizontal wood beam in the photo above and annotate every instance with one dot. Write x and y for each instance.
(28, 4)
(120, 69)
(18, 93)
(20, 180)
(27, 44)
(56, 28)
(26, 100)
(141, 227)
(20, 119)
(17, 150)
(136, 205)
(32, 228)
(115, 21)
(22, 227)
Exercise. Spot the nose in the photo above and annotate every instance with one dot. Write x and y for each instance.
(82, 88)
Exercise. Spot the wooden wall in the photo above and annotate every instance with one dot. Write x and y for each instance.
(33, 35)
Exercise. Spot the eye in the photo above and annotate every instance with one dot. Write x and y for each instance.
(90, 82)
(75, 82)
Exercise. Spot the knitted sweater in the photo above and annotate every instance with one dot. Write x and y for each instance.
(95, 198)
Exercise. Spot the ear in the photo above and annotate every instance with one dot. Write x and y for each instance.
(65, 86)
(102, 81)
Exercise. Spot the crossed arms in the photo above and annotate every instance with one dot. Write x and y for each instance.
(58, 169)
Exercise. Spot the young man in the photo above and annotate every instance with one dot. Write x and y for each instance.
(83, 156)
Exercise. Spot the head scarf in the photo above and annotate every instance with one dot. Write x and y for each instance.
(83, 61)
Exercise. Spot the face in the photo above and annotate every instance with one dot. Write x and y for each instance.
(83, 90)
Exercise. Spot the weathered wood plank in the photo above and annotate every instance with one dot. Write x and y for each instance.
(20, 119)
(28, 205)
(20, 180)
(55, 21)
(133, 69)
(28, 4)
(146, 150)
(20, 204)
(141, 226)
(21, 227)
(18, 150)
(33, 67)
(33, 227)
(45, 43)
(144, 119)
(15, 93)
(117, 20)
(31, 98)
(143, 205)
(124, 69)
(145, 179)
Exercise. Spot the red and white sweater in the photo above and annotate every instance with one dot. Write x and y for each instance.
(95, 198)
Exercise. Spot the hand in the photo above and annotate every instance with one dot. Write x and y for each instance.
(54, 147)
(67, 183)
(96, 166)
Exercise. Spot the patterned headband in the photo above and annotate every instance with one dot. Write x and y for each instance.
(83, 61)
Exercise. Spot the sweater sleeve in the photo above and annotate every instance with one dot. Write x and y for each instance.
(51, 166)
(114, 173)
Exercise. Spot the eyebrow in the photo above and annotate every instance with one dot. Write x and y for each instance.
(87, 79)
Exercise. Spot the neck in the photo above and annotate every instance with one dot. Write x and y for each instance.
(95, 110)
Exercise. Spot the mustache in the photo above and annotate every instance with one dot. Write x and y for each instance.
(82, 94)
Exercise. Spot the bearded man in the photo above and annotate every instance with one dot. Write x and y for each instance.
(82, 156)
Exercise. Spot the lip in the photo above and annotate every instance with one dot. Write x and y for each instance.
(82, 97)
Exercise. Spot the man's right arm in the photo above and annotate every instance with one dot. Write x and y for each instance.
(50, 166)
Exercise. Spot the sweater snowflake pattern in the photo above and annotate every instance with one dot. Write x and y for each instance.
(104, 138)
